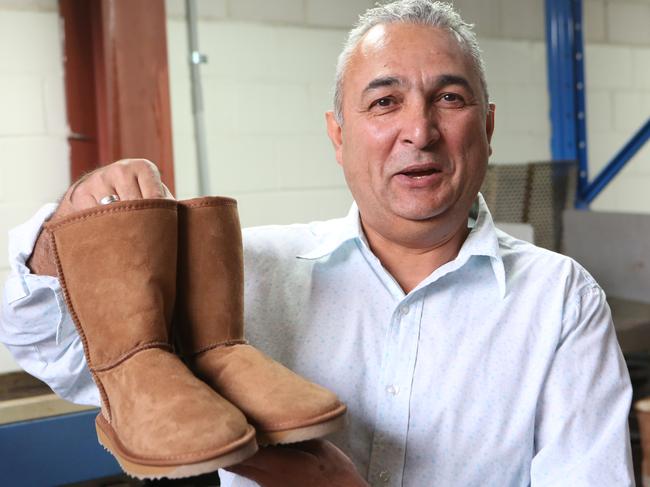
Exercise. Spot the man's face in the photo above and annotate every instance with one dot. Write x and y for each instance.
(415, 139)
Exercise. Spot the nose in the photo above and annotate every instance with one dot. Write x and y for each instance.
(419, 127)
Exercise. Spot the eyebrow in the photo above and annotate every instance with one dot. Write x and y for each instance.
(440, 81)
(382, 82)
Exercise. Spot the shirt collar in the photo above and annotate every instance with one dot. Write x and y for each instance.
(481, 241)
(336, 233)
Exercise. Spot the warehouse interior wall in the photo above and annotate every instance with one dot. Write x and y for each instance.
(268, 82)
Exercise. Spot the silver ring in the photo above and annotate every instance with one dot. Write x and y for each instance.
(107, 200)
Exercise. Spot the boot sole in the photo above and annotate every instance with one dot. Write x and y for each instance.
(142, 470)
(305, 433)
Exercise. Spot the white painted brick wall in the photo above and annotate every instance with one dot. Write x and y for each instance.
(628, 22)
(522, 19)
(335, 13)
(594, 20)
(281, 11)
(264, 102)
(34, 154)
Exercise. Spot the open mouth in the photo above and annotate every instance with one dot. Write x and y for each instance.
(420, 173)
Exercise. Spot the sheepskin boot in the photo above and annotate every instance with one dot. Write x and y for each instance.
(209, 326)
(117, 267)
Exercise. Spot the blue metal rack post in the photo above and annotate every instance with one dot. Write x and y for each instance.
(566, 82)
(565, 62)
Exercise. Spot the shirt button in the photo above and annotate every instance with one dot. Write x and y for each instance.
(392, 390)
(405, 309)
(384, 476)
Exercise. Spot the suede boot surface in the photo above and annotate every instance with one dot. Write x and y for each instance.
(209, 324)
(117, 267)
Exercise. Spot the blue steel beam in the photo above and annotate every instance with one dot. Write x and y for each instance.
(616, 164)
(565, 62)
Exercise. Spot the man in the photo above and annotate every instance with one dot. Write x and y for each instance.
(465, 357)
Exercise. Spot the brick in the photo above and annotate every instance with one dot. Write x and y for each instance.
(628, 23)
(206, 9)
(626, 193)
(514, 62)
(21, 99)
(511, 148)
(185, 166)
(181, 104)
(267, 108)
(36, 169)
(600, 117)
(239, 51)
(177, 48)
(30, 42)
(601, 148)
(631, 110)
(266, 208)
(522, 19)
(526, 110)
(336, 13)
(56, 120)
(594, 20)
(608, 66)
(242, 163)
(221, 105)
(641, 68)
(307, 162)
(486, 16)
(37, 5)
(295, 59)
(283, 11)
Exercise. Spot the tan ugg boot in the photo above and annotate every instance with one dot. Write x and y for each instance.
(209, 325)
(117, 267)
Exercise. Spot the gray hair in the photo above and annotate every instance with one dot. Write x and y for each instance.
(425, 12)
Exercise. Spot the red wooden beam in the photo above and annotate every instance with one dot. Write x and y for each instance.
(117, 83)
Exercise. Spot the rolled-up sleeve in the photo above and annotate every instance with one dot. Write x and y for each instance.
(35, 324)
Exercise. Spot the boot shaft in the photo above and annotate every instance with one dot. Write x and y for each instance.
(210, 286)
(117, 267)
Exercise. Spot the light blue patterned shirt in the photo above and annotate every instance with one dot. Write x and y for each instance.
(499, 369)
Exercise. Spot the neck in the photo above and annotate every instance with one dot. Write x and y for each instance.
(411, 260)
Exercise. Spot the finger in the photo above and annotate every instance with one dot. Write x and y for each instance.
(168, 194)
(150, 184)
(128, 189)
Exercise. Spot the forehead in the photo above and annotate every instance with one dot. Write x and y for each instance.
(413, 51)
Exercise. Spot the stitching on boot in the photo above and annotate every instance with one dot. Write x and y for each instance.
(226, 343)
(75, 320)
(226, 201)
(147, 346)
(162, 204)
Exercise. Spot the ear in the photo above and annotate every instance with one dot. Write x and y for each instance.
(489, 123)
(335, 133)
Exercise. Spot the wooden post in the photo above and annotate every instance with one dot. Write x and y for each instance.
(117, 83)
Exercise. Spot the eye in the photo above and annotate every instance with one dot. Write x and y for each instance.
(453, 100)
(384, 102)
